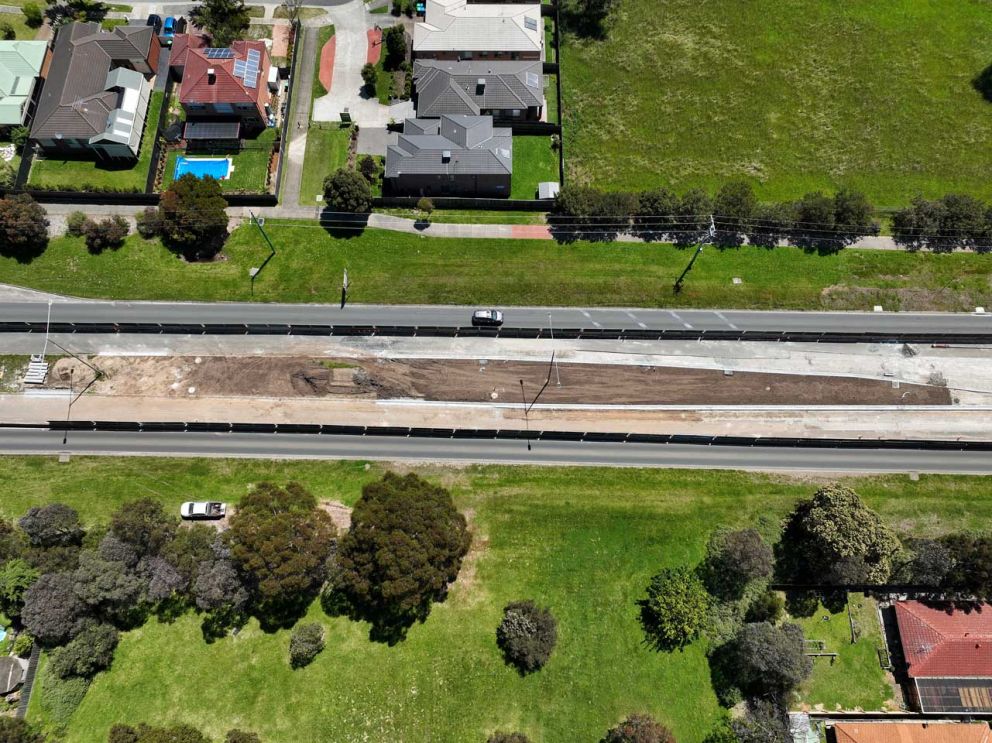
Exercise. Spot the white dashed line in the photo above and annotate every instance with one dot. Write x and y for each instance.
(632, 317)
(589, 317)
(720, 315)
(677, 317)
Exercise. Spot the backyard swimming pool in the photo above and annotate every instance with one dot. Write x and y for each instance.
(218, 167)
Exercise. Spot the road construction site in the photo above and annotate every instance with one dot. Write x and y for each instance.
(689, 387)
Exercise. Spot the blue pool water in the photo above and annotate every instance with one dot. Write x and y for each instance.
(218, 167)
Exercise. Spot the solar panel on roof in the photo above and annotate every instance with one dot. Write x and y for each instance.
(239, 68)
(219, 53)
(254, 56)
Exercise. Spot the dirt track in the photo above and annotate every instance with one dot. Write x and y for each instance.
(477, 381)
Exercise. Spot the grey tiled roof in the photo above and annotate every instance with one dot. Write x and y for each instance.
(452, 87)
(475, 147)
(75, 101)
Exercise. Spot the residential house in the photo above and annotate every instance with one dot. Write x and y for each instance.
(95, 98)
(948, 654)
(456, 29)
(22, 65)
(224, 90)
(450, 156)
(507, 91)
(910, 732)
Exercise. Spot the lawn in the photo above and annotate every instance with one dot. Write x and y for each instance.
(582, 541)
(251, 164)
(793, 95)
(855, 678)
(402, 268)
(17, 21)
(327, 150)
(88, 175)
(304, 14)
(533, 162)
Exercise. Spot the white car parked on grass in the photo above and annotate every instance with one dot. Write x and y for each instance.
(202, 510)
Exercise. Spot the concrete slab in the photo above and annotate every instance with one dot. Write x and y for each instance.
(373, 141)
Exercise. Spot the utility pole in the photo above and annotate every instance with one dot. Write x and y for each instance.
(344, 289)
(48, 324)
(523, 397)
(68, 410)
(708, 238)
(253, 272)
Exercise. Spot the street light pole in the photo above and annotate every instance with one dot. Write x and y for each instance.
(68, 410)
(552, 329)
(710, 236)
(526, 419)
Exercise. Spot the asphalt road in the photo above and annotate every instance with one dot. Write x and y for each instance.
(523, 317)
(302, 446)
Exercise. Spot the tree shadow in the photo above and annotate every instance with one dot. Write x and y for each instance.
(343, 226)
(982, 82)
(24, 254)
(389, 629)
(217, 624)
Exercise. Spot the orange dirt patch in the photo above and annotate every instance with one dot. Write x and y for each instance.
(340, 514)
(280, 39)
(531, 232)
(375, 46)
(327, 63)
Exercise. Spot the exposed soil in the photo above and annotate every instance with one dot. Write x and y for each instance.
(340, 514)
(477, 381)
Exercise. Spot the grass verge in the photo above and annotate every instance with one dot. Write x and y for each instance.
(687, 93)
(18, 22)
(581, 541)
(327, 150)
(402, 268)
(88, 175)
(533, 162)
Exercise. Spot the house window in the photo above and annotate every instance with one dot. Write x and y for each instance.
(223, 108)
(515, 113)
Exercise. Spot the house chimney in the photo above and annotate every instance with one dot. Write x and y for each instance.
(446, 156)
(211, 76)
(480, 86)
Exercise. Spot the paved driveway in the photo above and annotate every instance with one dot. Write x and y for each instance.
(351, 24)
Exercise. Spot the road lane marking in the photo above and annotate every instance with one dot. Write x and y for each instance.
(720, 315)
(590, 319)
(677, 317)
(632, 317)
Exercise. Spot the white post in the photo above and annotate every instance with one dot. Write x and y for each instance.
(552, 329)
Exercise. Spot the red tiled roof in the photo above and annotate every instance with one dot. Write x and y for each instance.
(911, 732)
(196, 86)
(182, 43)
(941, 643)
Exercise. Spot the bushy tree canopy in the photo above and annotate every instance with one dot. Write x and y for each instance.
(16, 576)
(219, 587)
(734, 206)
(734, 559)
(969, 568)
(52, 612)
(16, 730)
(834, 538)
(108, 588)
(54, 525)
(280, 541)
(675, 610)
(501, 737)
(115, 550)
(925, 562)
(639, 728)
(763, 722)
(191, 547)
(192, 217)
(145, 525)
(767, 660)
(164, 580)
(347, 191)
(240, 736)
(527, 635)
(405, 545)
(224, 20)
(23, 227)
(89, 652)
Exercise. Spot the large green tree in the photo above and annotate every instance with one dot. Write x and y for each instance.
(834, 538)
(192, 217)
(23, 227)
(224, 20)
(280, 540)
(144, 525)
(733, 560)
(764, 660)
(675, 610)
(16, 576)
(639, 728)
(348, 192)
(404, 548)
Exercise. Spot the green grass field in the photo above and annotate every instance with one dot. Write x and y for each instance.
(793, 95)
(327, 150)
(582, 541)
(533, 162)
(407, 269)
(251, 164)
(18, 22)
(88, 175)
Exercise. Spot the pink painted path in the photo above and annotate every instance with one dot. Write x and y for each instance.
(530, 232)
(375, 46)
(327, 64)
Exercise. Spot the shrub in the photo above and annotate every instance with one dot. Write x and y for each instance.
(734, 206)
(527, 635)
(61, 697)
(23, 645)
(109, 233)
(347, 191)
(394, 39)
(639, 729)
(32, 14)
(501, 737)
(7, 174)
(768, 606)
(7, 32)
(305, 644)
(240, 736)
(91, 651)
(370, 75)
(148, 223)
(675, 610)
(121, 733)
(19, 135)
(368, 167)
(14, 730)
(426, 207)
(397, 7)
(16, 576)
(763, 660)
